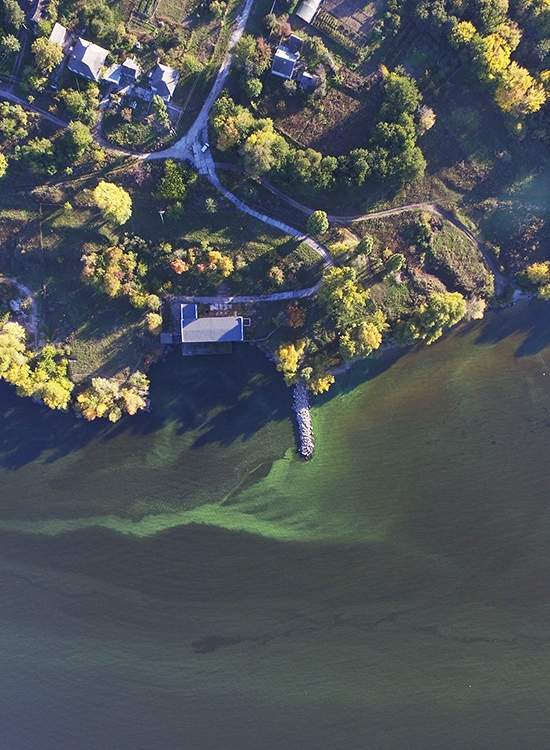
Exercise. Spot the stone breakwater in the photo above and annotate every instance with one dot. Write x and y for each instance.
(300, 406)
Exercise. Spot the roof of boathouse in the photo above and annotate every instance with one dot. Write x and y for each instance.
(195, 330)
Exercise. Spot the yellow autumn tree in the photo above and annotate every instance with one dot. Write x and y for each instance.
(153, 323)
(220, 263)
(539, 273)
(518, 92)
(109, 398)
(113, 201)
(289, 357)
(498, 48)
(321, 383)
(463, 33)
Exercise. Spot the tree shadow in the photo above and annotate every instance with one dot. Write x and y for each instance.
(531, 320)
(31, 432)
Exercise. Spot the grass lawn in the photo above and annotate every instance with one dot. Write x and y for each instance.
(458, 262)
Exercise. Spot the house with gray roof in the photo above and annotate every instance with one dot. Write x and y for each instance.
(163, 81)
(87, 60)
(208, 335)
(286, 57)
(123, 74)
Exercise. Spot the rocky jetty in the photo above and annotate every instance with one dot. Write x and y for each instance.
(300, 406)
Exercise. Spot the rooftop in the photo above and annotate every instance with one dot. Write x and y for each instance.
(125, 72)
(284, 62)
(163, 80)
(87, 59)
(307, 10)
(294, 43)
(195, 330)
(308, 81)
(60, 35)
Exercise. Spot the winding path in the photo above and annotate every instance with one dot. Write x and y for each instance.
(189, 148)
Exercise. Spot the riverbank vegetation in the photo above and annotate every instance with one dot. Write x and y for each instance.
(433, 103)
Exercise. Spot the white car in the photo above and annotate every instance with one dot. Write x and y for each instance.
(205, 147)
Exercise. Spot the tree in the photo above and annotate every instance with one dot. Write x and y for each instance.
(366, 245)
(290, 86)
(321, 383)
(161, 112)
(395, 153)
(219, 263)
(365, 337)
(210, 205)
(317, 223)
(49, 380)
(80, 105)
(43, 375)
(426, 119)
(277, 275)
(253, 87)
(356, 166)
(109, 398)
(39, 153)
(173, 183)
(463, 33)
(296, 315)
(539, 273)
(232, 123)
(394, 263)
(114, 202)
(3, 165)
(442, 310)
(518, 92)
(75, 142)
(116, 272)
(401, 96)
(13, 355)
(252, 56)
(10, 44)
(13, 15)
(289, 357)
(153, 322)
(14, 122)
(343, 297)
(490, 13)
(47, 55)
(217, 7)
(265, 150)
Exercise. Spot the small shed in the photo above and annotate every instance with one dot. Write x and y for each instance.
(308, 81)
(307, 10)
(60, 36)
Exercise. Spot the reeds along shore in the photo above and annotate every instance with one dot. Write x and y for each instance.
(300, 405)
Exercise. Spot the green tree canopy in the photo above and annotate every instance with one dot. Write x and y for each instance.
(47, 55)
(317, 223)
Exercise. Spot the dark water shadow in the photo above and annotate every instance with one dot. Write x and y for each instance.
(29, 431)
(362, 371)
(532, 320)
(225, 398)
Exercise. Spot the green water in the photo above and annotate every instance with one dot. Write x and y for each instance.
(182, 580)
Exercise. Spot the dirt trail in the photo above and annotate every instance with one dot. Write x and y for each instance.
(190, 148)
